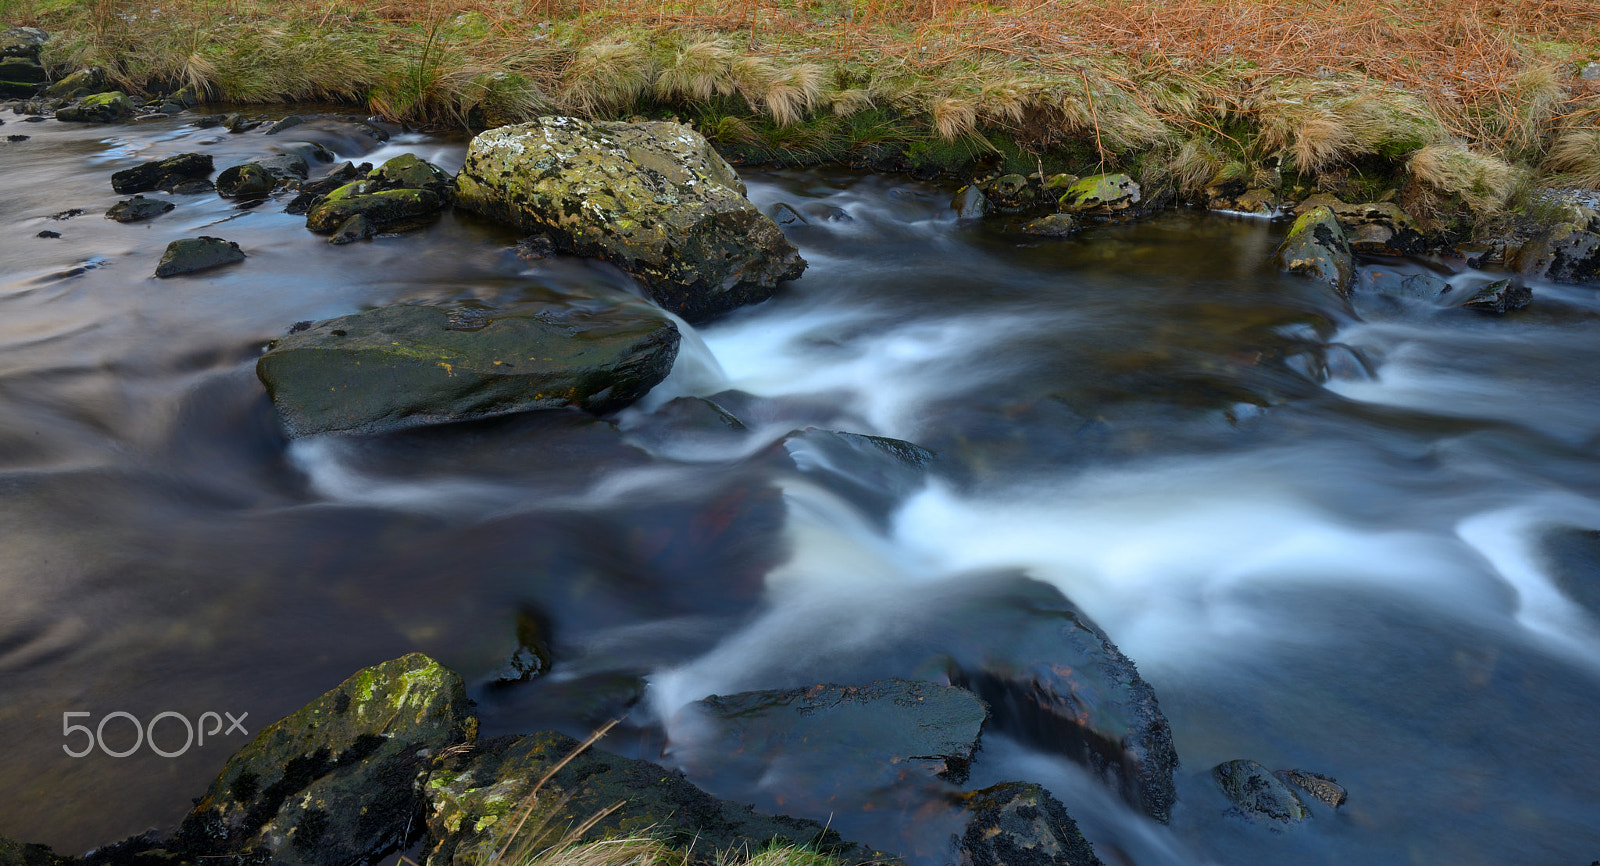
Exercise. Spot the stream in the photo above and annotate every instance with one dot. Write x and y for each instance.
(1360, 539)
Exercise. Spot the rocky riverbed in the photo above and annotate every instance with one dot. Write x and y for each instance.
(1200, 522)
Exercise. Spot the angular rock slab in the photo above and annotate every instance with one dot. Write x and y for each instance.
(652, 198)
(1317, 248)
(337, 782)
(887, 729)
(1258, 793)
(1020, 824)
(472, 803)
(1500, 297)
(162, 173)
(405, 366)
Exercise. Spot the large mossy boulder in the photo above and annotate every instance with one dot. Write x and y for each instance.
(1563, 254)
(404, 366)
(99, 108)
(163, 174)
(867, 736)
(1317, 248)
(652, 198)
(340, 781)
(401, 192)
(1020, 824)
(21, 77)
(80, 83)
(473, 803)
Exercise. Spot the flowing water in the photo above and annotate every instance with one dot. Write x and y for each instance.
(1361, 541)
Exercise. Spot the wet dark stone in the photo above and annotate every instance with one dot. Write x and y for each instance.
(482, 789)
(99, 108)
(278, 126)
(48, 234)
(1020, 824)
(339, 176)
(883, 732)
(1010, 193)
(14, 139)
(1056, 225)
(405, 366)
(969, 203)
(19, 854)
(1258, 793)
(339, 781)
(138, 208)
(396, 194)
(161, 173)
(210, 120)
(1316, 247)
(1564, 254)
(1317, 785)
(1382, 281)
(194, 186)
(532, 657)
(874, 473)
(301, 203)
(189, 255)
(1500, 297)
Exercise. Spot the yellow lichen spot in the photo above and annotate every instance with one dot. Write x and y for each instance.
(449, 370)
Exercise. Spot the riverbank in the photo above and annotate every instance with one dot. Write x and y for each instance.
(1467, 114)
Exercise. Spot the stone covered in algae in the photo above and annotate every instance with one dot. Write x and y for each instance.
(1316, 247)
(403, 366)
(397, 194)
(340, 780)
(472, 804)
(1100, 194)
(652, 198)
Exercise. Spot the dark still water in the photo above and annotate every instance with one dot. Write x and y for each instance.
(1363, 542)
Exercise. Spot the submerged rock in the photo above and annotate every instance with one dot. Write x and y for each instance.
(1058, 680)
(99, 108)
(1020, 824)
(1382, 281)
(197, 254)
(1056, 225)
(162, 174)
(401, 191)
(138, 208)
(1564, 254)
(1500, 297)
(1258, 793)
(880, 731)
(337, 782)
(278, 126)
(1100, 194)
(356, 228)
(404, 366)
(652, 198)
(1316, 247)
(474, 802)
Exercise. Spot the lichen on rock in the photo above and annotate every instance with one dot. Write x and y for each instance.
(652, 198)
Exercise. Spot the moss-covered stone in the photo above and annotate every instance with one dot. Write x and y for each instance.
(162, 173)
(1010, 193)
(404, 366)
(338, 781)
(652, 198)
(1100, 194)
(1020, 824)
(380, 208)
(92, 80)
(1258, 793)
(245, 180)
(1316, 248)
(189, 255)
(99, 108)
(473, 803)
(407, 171)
